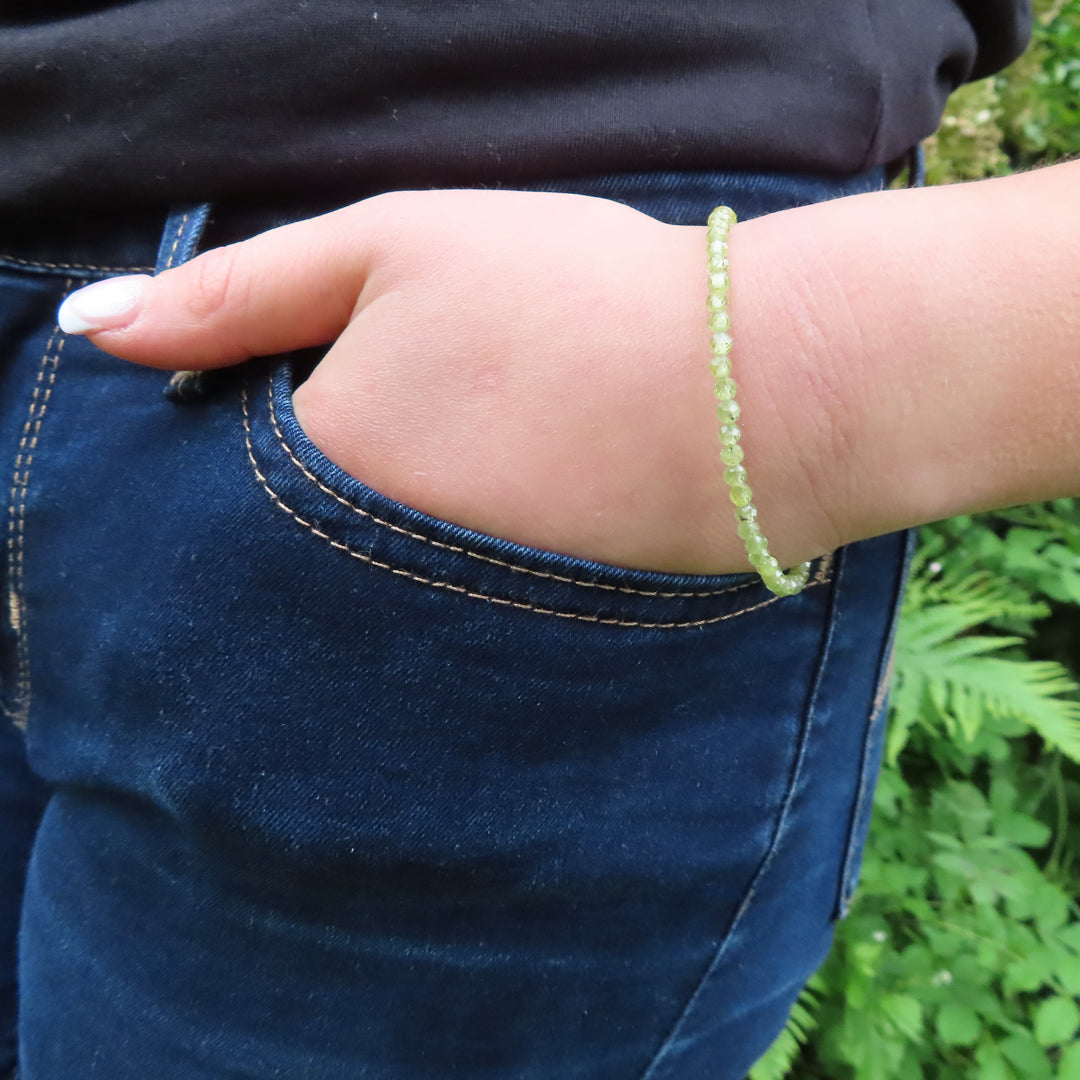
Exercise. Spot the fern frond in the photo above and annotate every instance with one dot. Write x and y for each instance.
(964, 683)
(778, 1060)
(1024, 690)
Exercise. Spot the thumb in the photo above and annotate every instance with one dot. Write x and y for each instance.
(289, 288)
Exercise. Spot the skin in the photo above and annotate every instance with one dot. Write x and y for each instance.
(535, 366)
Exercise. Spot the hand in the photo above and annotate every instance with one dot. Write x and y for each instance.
(534, 366)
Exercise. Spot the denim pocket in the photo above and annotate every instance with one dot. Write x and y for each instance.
(339, 510)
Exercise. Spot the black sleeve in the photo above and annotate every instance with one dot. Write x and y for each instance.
(1002, 29)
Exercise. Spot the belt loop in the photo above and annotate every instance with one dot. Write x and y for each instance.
(916, 167)
(180, 238)
(179, 242)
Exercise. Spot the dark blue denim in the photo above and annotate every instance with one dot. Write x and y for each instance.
(305, 784)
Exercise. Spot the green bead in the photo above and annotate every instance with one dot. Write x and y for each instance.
(757, 545)
(747, 530)
(722, 217)
(735, 476)
(730, 434)
(718, 299)
(741, 494)
(749, 515)
(725, 389)
(719, 281)
(718, 260)
(791, 583)
(764, 563)
(731, 455)
(720, 366)
(718, 319)
(721, 343)
(728, 411)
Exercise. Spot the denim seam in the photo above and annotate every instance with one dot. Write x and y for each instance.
(693, 594)
(867, 776)
(176, 241)
(774, 843)
(366, 557)
(73, 266)
(20, 484)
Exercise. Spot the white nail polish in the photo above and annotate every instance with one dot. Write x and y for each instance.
(105, 305)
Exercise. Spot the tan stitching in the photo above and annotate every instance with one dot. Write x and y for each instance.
(474, 554)
(824, 566)
(75, 266)
(16, 542)
(882, 694)
(366, 557)
(176, 242)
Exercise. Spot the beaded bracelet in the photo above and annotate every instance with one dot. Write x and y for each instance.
(727, 410)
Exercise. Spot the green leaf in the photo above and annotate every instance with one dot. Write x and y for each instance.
(1067, 970)
(906, 1013)
(1070, 936)
(1050, 906)
(958, 1025)
(991, 1062)
(1069, 1063)
(1022, 976)
(1027, 1056)
(1056, 1019)
(1022, 830)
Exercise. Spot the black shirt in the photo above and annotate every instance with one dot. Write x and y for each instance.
(108, 104)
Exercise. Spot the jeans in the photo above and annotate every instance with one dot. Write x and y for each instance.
(299, 782)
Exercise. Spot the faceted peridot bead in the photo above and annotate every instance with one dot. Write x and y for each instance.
(730, 434)
(740, 494)
(735, 476)
(756, 545)
(721, 343)
(764, 563)
(731, 455)
(725, 389)
(718, 319)
(720, 366)
(747, 530)
(785, 584)
(728, 411)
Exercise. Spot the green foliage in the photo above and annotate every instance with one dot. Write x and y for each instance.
(1040, 93)
(961, 958)
(1027, 115)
